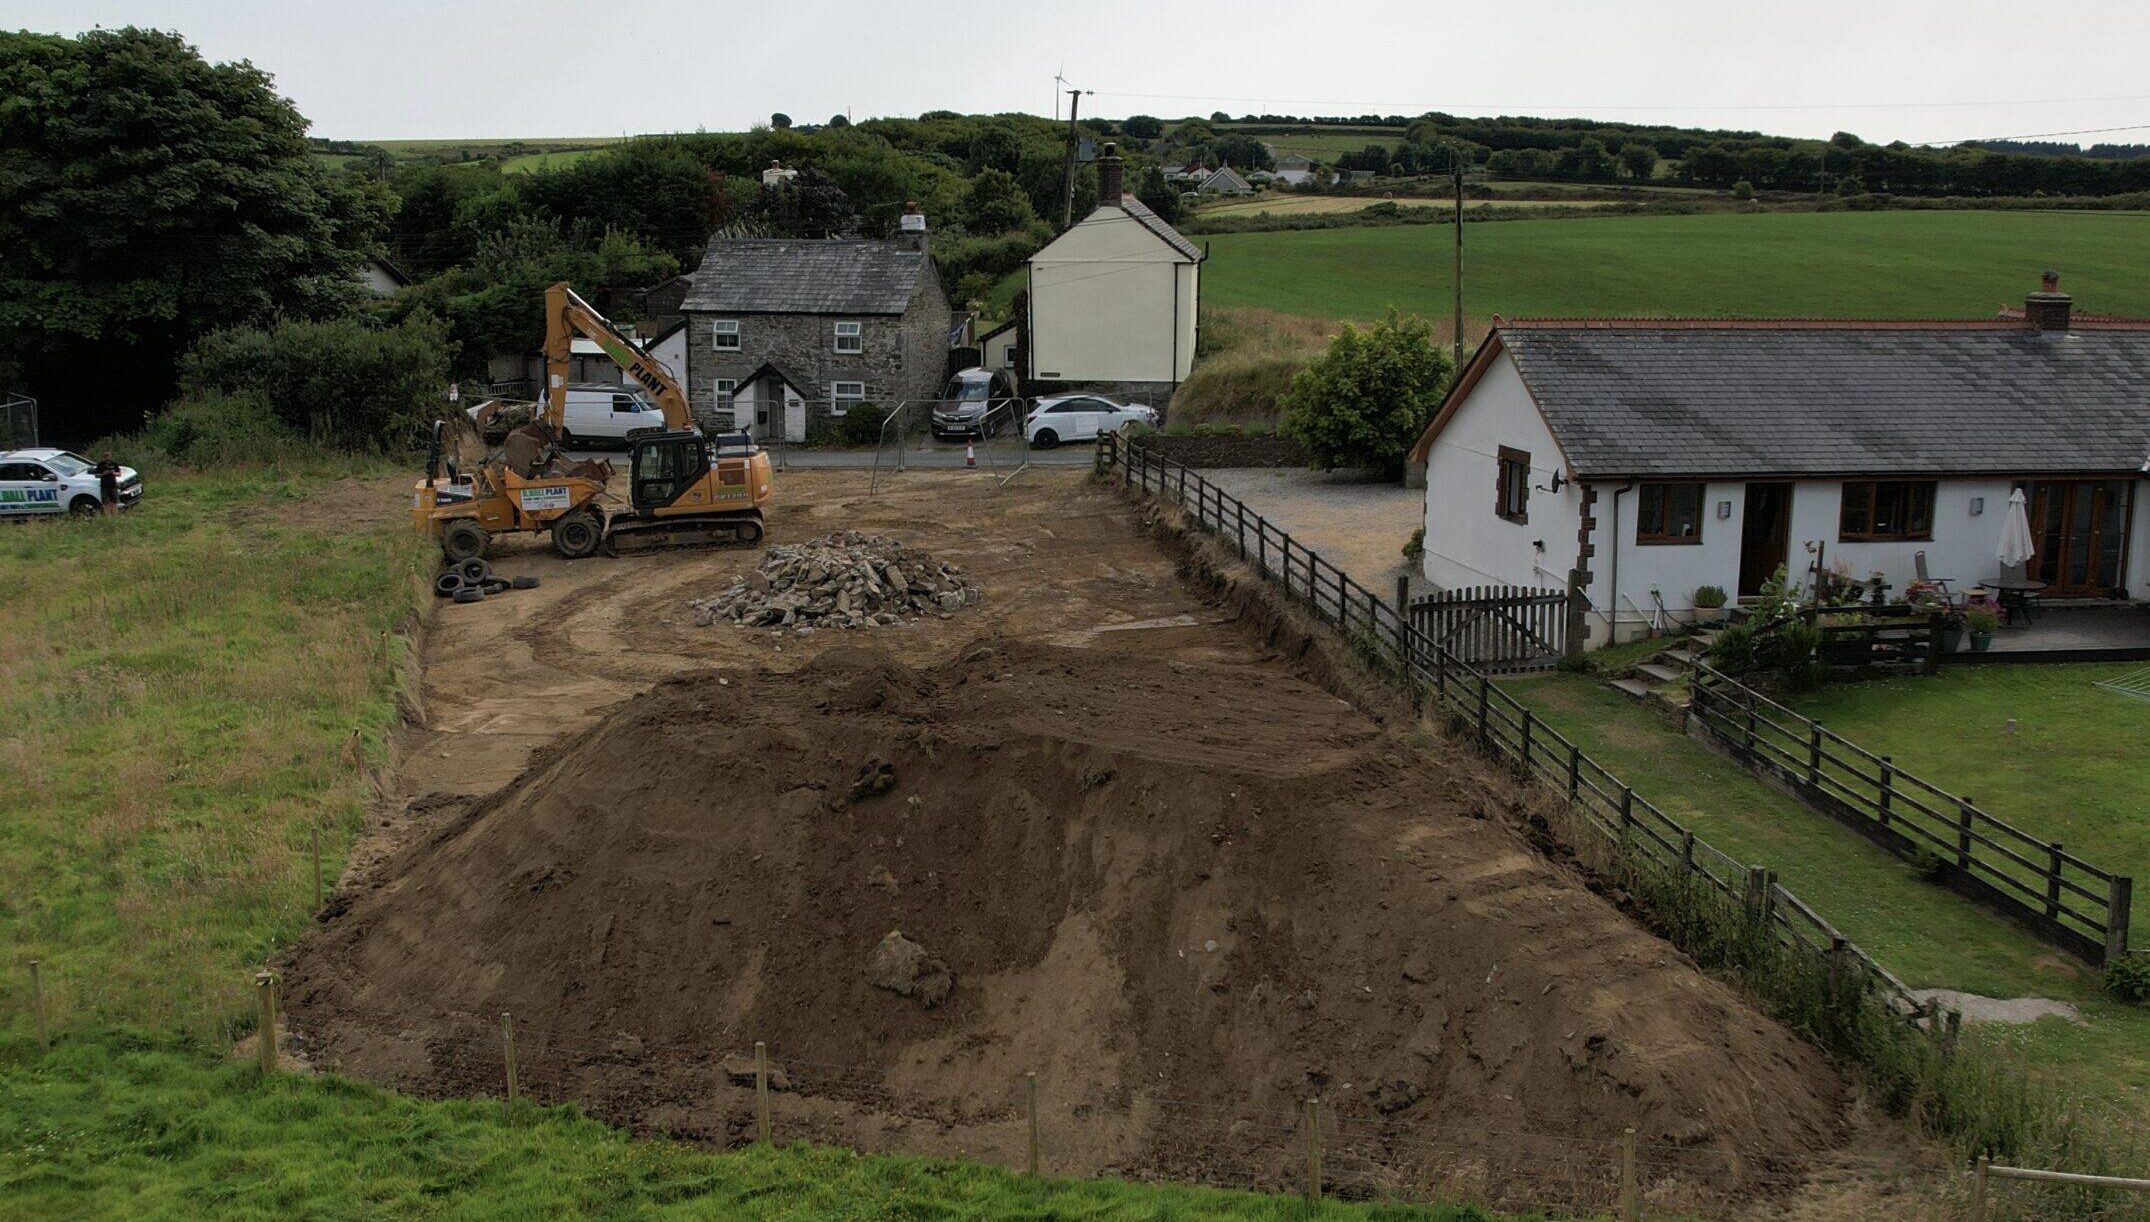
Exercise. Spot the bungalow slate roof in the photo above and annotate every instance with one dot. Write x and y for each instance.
(805, 276)
(1805, 399)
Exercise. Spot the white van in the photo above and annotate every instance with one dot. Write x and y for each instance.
(603, 415)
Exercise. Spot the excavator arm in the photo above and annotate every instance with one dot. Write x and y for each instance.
(566, 316)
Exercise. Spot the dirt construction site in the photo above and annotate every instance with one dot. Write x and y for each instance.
(1115, 824)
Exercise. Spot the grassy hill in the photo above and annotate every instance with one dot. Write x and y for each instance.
(1859, 265)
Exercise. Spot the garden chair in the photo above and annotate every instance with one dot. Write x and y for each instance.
(1948, 591)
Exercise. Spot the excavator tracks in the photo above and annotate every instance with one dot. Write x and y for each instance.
(629, 536)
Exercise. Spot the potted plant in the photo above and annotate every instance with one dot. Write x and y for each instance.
(1709, 604)
(1982, 622)
(1952, 631)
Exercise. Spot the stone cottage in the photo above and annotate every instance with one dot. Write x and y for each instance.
(785, 336)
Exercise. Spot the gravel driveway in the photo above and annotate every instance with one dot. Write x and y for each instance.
(1356, 521)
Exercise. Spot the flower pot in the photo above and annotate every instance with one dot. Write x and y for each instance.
(1981, 642)
(1952, 639)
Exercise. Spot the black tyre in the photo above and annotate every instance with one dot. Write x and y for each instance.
(462, 540)
(475, 570)
(445, 585)
(470, 594)
(493, 585)
(83, 506)
(578, 535)
(523, 583)
(1046, 439)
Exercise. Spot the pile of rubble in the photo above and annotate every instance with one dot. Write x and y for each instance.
(844, 580)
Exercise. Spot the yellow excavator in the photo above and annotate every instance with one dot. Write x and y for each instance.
(683, 488)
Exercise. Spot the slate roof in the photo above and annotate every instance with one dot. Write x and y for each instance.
(805, 276)
(1822, 398)
(1159, 226)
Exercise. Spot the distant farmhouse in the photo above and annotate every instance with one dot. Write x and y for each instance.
(785, 335)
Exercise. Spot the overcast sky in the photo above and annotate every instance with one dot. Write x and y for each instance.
(1887, 69)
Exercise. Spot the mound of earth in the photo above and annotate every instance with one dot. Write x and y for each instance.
(1146, 881)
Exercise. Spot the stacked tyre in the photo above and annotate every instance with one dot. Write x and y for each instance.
(472, 579)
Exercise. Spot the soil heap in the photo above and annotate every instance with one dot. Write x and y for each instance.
(1187, 896)
(842, 580)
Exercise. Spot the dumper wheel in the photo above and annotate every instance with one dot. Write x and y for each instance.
(579, 534)
(462, 540)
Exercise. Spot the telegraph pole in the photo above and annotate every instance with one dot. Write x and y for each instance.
(1455, 159)
(1067, 186)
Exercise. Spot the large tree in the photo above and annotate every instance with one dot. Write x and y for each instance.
(147, 197)
(1363, 401)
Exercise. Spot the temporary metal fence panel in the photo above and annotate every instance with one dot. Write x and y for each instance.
(1501, 724)
(1497, 628)
(18, 422)
(2066, 900)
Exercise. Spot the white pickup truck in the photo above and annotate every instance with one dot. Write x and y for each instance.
(35, 483)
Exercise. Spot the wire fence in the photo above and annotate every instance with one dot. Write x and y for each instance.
(18, 421)
(1606, 805)
(2071, 903)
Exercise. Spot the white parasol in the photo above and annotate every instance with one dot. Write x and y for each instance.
(2016, 546)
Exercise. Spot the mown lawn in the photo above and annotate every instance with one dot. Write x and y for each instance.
(2075, 769)
(1927, 935)
(1847, 264)
(182, 688)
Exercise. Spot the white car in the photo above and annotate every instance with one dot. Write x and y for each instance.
(35, 483)
(1080, 418)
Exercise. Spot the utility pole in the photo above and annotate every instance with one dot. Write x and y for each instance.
(1455, 159)
(1067, 185)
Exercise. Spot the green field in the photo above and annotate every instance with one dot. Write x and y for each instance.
(528, 163)
(1843, 264)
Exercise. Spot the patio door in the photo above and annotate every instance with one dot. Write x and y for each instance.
(2080, 530)
(1765, 532)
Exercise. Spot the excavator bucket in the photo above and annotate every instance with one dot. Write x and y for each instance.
(461, 442)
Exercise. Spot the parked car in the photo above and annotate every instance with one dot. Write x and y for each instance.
(1080, 418)
(597, 414)
(976, 404)
(42, 481)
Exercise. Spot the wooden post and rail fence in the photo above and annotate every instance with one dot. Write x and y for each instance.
(2069, 902)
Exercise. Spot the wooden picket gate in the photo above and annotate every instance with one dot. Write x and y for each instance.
(1496, 627)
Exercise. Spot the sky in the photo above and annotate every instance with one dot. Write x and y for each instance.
(1916, 70)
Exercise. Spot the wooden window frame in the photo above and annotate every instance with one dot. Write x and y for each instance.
(718, 334)
(1512, 476)
(1844, 531)
(1659, 537)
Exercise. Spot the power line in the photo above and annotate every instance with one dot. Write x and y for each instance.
(1577, 108)
(2080, 131)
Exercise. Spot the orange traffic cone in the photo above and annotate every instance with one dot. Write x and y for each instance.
(970, 454)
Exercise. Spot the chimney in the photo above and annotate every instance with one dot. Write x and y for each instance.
(1108, 176)
(2048, 308)
(911, 229)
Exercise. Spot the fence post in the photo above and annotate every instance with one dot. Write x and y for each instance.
(1687, 850)
(1403, 596)
(1030, 1094)
(1484, 725)
(1630, 1199)
(1284, 560)
(1750, 723)
(507, 1060)
(1261, 545)
(1814, 754)
(2118, 895)
(1313, 1150)
(265, 987)
(37, 1005)
(761, 1092)
(1963, 834)
(1978, 1189)
(1575, 771)
(1888, 788)
(1239, 511)
(2052, 881)
(1757, 891)
(1627, 813)
(1526, 742)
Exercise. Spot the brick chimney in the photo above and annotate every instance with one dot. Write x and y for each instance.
(1109, 188)
(2048, 308)
(911, 227)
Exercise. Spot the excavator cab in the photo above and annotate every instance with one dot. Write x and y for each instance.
(666, 465)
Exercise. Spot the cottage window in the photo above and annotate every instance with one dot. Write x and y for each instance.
(1668, 513)
(1887, 510)
(849, 338)
(843, 396)
(1511, 489)
(722, 391)
(724, 335)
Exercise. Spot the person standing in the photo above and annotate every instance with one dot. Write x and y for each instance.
(107, 484)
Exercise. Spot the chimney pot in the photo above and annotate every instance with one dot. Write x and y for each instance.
(1109, 187)
(2048, 308)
